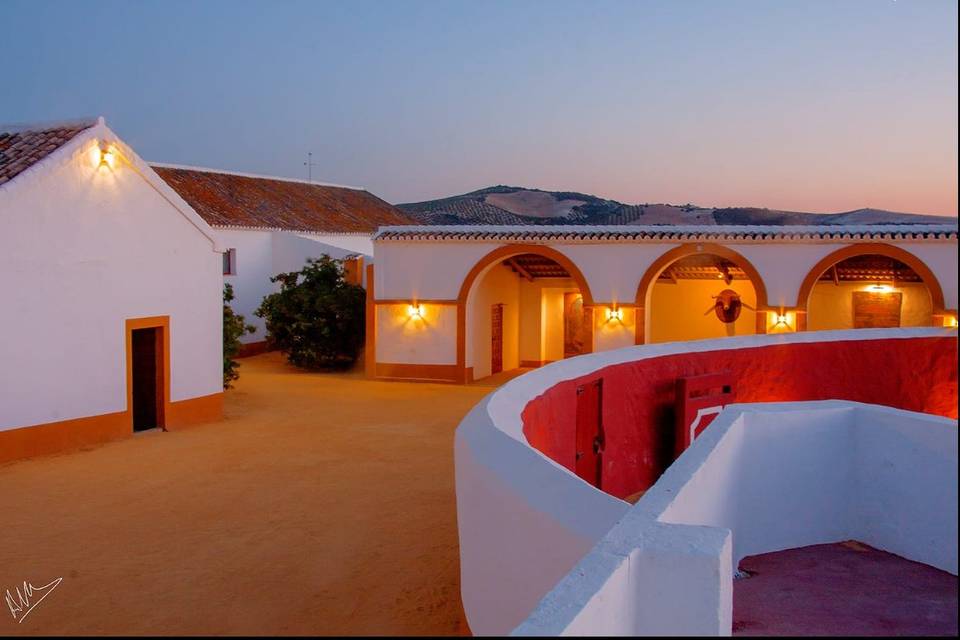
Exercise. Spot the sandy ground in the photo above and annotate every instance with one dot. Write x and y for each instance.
(322, 504)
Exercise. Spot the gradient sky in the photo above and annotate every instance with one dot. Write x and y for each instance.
(804, 105)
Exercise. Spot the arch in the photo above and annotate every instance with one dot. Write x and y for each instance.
(876, 249)
(668, 258)
(494, 257)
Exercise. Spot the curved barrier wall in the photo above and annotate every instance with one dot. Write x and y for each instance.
(525, 519)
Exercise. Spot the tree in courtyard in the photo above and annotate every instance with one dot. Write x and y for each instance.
(234, 326)
(317, 317)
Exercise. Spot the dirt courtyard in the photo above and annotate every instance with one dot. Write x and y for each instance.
(321, 504)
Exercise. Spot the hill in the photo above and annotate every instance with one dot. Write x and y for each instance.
(521, 206)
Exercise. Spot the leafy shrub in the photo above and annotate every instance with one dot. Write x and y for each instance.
(234, 326)
(317, 317)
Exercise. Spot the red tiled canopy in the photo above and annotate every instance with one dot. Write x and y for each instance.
(226, 199)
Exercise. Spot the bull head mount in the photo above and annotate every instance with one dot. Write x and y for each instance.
(727, 305)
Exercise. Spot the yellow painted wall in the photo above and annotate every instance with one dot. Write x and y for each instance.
(552, 321)
(498, 286)
(831, 306)
(677, 311)
(531, 333)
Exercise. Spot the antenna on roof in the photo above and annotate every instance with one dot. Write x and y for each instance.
(309, 165)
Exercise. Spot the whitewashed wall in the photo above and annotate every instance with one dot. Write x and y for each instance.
(82, 249)
(262, 254)
(524, 520)
(409, 269)
(769, 477)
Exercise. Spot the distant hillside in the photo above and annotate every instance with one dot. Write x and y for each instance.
(517, 205)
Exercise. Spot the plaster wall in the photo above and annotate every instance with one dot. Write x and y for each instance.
(613, 270)
(610, 333)
(254, 268)
(350, 243)
(849, 471)
(523, 515)
(831, 306)
(260, 255)
(431, 339)
(82, 249)
(684, 311)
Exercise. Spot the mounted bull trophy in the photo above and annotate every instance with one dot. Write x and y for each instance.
(727, 306)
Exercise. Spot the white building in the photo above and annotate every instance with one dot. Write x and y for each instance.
(111, 289)
(270, 225)
(463, 302)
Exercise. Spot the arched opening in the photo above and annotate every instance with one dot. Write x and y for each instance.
(521, 307)
(870, 286)
(700, 291)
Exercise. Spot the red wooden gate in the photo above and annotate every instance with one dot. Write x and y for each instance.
(699, 399)
(590, 441)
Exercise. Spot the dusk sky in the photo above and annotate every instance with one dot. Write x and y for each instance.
(813, 105)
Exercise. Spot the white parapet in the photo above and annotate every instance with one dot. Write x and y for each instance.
(764, 477)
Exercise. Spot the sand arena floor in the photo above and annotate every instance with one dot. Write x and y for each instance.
(321, 504)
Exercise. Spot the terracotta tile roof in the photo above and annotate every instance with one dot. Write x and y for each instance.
(670, 233)
(226, 199)
(22, 147)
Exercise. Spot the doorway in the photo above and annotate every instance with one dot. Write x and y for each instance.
(147, 375)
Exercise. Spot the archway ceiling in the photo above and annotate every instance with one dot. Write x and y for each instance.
(869, 268)
(533, 267)
(702, 267)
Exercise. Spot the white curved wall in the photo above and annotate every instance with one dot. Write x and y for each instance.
(765, 477)
(524, 520)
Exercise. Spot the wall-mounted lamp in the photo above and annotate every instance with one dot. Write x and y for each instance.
(880, 288)
(106, 157)
(780, 320)
(950, 321)
(415, 311)
(614, 315)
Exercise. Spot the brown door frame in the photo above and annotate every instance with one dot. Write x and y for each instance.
(162, 325)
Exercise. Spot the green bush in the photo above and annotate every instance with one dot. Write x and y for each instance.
(234, 326)
(317, 317)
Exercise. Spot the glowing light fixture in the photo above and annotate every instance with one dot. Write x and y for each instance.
(108, 157)
(780, 319)
(614, 315)
(950, 321)
(881, 288)
(415, 310)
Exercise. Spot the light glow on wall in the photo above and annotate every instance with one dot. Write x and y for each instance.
(103, 155)
(614, 314)
(415, 311)
(781, 321)
(880, 288)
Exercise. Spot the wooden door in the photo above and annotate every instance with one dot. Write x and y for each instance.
(589, 437)
(496, 339)
(147, 374)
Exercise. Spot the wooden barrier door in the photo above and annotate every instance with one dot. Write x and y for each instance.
(589, 437)
(496, 339)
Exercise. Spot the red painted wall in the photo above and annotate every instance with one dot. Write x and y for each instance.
(918, 374)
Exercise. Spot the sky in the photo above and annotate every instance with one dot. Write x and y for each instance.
(802, 105)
